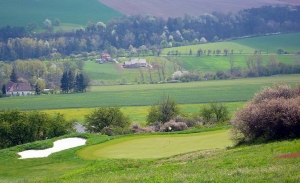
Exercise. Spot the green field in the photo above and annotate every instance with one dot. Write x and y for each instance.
(215, 63)
(255, 163)
(185, 50)
(270, 44)
(156, 146)
(267, 44)
(144, 95)
(76, 12)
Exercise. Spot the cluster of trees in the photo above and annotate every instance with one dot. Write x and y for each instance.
(70, 82)
(150, 32)
(43, 75)
(273, 114)
(18, 127)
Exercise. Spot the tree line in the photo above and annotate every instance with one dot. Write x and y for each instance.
(18, 127)
(154, 33)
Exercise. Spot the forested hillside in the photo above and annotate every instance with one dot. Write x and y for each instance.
(138, 34)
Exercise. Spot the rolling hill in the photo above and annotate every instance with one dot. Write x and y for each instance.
(75, 12)
(177, 8)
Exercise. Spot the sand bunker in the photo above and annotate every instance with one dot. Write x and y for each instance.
(59, 145)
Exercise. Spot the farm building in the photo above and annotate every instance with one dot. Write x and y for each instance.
(135, 63)
(19, 89)
(105, 57)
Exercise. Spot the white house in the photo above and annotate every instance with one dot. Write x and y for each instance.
(18, 89)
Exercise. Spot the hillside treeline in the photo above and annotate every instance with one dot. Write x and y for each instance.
(147, 33)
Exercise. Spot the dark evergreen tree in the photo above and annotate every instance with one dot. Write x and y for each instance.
(13, 76)
(64, 83)
(3, 89)
(71, 80)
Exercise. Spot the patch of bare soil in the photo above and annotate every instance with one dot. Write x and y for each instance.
(119, 67)
(178, 8)
(291, 155)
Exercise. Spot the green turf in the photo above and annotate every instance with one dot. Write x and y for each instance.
(20, 13)
(156, 146)
(144, 95)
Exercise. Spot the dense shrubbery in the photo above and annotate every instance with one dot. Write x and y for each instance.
(273, 114)
(163, 111)
(107, 120)
(22, 127)
(215, 113)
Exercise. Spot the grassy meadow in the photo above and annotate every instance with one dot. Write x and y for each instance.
(75, 12)
(255, 163)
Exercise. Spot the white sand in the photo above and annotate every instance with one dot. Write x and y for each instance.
(59, 145)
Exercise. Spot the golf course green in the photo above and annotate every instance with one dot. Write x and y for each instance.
(156, 146)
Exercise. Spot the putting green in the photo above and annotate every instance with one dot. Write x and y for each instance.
(156, 146)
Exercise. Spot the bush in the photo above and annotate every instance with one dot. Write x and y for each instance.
(163, 111)
(216, 112)
(273, 114)
(173, 126)
(136, 128)
(111, 117)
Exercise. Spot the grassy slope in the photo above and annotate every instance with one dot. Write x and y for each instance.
(270, 44)
(256, 163)
(20, 13)
(122, 95)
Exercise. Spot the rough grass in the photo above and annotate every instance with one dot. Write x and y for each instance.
(20, 13)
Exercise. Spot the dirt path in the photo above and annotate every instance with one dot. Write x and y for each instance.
(119, 67)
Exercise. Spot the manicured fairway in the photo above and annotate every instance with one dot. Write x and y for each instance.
(156, 146)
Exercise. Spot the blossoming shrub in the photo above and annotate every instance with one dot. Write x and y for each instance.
(273, 114)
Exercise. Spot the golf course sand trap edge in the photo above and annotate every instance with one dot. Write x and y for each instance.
(59, 145)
